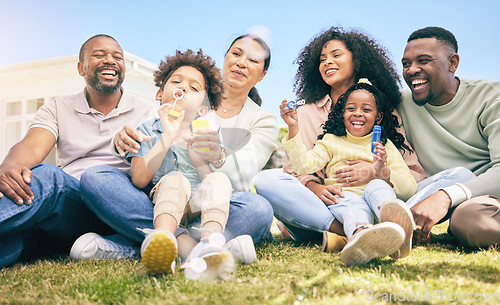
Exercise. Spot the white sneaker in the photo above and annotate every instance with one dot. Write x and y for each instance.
(378, 240)
(209, 261)
(396, 211)
(159, 251)
(242, 249)
(94, 246)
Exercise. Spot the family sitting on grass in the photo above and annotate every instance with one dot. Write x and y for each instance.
(168, 191)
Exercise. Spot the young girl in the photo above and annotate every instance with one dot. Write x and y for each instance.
(189, 84)
(348, 136)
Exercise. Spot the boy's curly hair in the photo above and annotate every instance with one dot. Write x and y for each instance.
(199, 61)
(335, 122)
(369, 58)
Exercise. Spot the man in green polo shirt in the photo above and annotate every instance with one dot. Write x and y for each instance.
(453, 122)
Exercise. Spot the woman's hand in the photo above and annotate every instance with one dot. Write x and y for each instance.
(358, 172)
(326, 193)
(205, 137)
(128, 139)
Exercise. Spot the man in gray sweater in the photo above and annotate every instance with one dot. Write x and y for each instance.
(452, 122)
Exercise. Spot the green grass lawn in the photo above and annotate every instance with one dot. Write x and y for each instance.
(287, 273)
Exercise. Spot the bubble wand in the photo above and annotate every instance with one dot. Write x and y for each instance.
(293, 104)
(178, 95)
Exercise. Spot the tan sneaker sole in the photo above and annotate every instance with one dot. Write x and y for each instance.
(396, 211)
(160, 254)
(379, 240)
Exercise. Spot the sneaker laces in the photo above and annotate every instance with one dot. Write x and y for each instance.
(110, 249)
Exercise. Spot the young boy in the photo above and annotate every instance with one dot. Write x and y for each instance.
(189, 84)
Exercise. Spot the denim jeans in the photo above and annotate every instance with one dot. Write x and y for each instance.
(52, 222)
(110, 194)
(306, 216)
(300, 210)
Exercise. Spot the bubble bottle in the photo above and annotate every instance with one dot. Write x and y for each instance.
(377, 131)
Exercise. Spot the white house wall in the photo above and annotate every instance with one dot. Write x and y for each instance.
(27, 84)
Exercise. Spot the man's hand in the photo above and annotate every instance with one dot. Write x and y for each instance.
(14, 180)
(128, 139)
(429, 212)
(326, 192)
(358, 172)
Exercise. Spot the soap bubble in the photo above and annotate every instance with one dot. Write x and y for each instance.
(198, 265)
(261, 31)
(254, 50)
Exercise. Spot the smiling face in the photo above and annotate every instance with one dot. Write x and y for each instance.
(336, 66)
(103, 66)
(192, 83)
(360, 114)
(244, 64)
(428, 69)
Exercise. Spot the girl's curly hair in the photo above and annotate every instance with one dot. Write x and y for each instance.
(335, 122)
(199, 61)
(369, 58)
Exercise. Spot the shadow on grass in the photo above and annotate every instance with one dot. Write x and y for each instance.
(439, 249)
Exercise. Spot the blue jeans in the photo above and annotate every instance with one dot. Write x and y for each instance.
(306, 216)
(52, 222)
(354, 209)
(110, 194)
(426, 187)
(300, 210)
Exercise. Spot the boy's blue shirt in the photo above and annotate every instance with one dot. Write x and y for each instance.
(152, 127)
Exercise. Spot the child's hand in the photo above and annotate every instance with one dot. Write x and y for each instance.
(196, 158)
(290, 116)
(328, 193)
(205, 137)
(379, 158)
(169, 124)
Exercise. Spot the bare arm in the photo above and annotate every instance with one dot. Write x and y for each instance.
(143, 170)
(15, 173)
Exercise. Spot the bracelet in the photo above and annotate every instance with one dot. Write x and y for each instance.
(222, 159)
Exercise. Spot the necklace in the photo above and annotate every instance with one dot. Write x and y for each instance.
(234, 108)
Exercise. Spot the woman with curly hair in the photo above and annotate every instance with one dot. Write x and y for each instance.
(332, 62)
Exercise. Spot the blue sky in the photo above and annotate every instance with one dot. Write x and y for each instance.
(35, 30)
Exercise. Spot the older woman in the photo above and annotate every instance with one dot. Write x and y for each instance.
(332, 62)
(249, 135)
